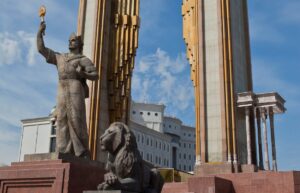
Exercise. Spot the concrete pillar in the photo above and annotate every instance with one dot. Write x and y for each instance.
(260, 154)
(274, 161)
(266, 150)
(249, 150)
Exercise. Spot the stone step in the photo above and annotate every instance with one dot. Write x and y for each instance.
(180, 187)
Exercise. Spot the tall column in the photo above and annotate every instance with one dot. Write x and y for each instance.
(260, 154)
(274, 161)
(214, 31)
(249, 151)
(266, 150)
(110, 32)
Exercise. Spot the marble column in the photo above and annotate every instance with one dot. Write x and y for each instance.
(274, 161)
(260, 154)
(266, 150)
(249, 150)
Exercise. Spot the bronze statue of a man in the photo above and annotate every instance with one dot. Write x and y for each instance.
(73, 70)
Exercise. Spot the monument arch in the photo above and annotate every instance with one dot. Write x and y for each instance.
(217, 38)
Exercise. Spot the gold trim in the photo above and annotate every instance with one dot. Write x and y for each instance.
(232, 97)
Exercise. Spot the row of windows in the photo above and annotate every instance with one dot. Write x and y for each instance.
(170, 126)
(189, 145)
(141, 113)
(185, 156)
(188, 134)
(185, 167)
(153, 143)
(158, 160)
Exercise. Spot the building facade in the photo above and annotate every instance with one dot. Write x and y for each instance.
(38, 136)
(163, 141)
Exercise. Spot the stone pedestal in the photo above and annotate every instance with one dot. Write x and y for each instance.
(219, 168)
(64, 175)
(249, 168)
(257, 182)
(209, 185)
(107, 191)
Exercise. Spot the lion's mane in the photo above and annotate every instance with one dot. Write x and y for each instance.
(125, 157)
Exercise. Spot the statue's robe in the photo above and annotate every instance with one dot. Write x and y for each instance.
(71, 129)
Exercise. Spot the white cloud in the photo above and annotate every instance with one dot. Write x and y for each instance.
(30, 41)
(9, 49)
(159, 78)
(17, 48)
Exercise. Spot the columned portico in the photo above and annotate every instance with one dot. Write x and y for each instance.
(264, 107)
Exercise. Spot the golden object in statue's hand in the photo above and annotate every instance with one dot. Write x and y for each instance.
(42, 12)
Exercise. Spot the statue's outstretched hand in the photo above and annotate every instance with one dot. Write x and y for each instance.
(42, 28)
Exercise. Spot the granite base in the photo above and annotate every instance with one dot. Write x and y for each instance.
(72, 175)
(219, 168)
(256, 182)
(107, 191)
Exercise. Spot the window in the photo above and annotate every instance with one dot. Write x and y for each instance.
(190, 157)
(151, 142)
(141, 113)
(184, 167)
(147, 156)
(156, 114)
(52, 144)
(184, 145)
(149, 113)
(179, 166)
(190, 168)
(133, 112)
(184, 156)
(179, 155)
(169, 126)
(142, 138)
(156, 144)
(164, 147)
(151, 158)
(159, 145)
(53, 129)
(159, 161)
(190, 146)
(147, 141)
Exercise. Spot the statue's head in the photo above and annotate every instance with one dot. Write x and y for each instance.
(75, 42)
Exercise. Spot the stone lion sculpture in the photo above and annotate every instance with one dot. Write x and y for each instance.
(127, 171)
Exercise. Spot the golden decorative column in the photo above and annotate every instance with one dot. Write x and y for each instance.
(217, 43)
(110, 32)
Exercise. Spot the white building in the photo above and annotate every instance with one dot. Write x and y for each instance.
(163, 141)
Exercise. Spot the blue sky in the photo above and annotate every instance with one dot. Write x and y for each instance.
(28, 84)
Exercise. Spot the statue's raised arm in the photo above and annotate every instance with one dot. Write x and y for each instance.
(49, 54)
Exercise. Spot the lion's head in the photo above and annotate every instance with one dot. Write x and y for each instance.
(121, 144)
